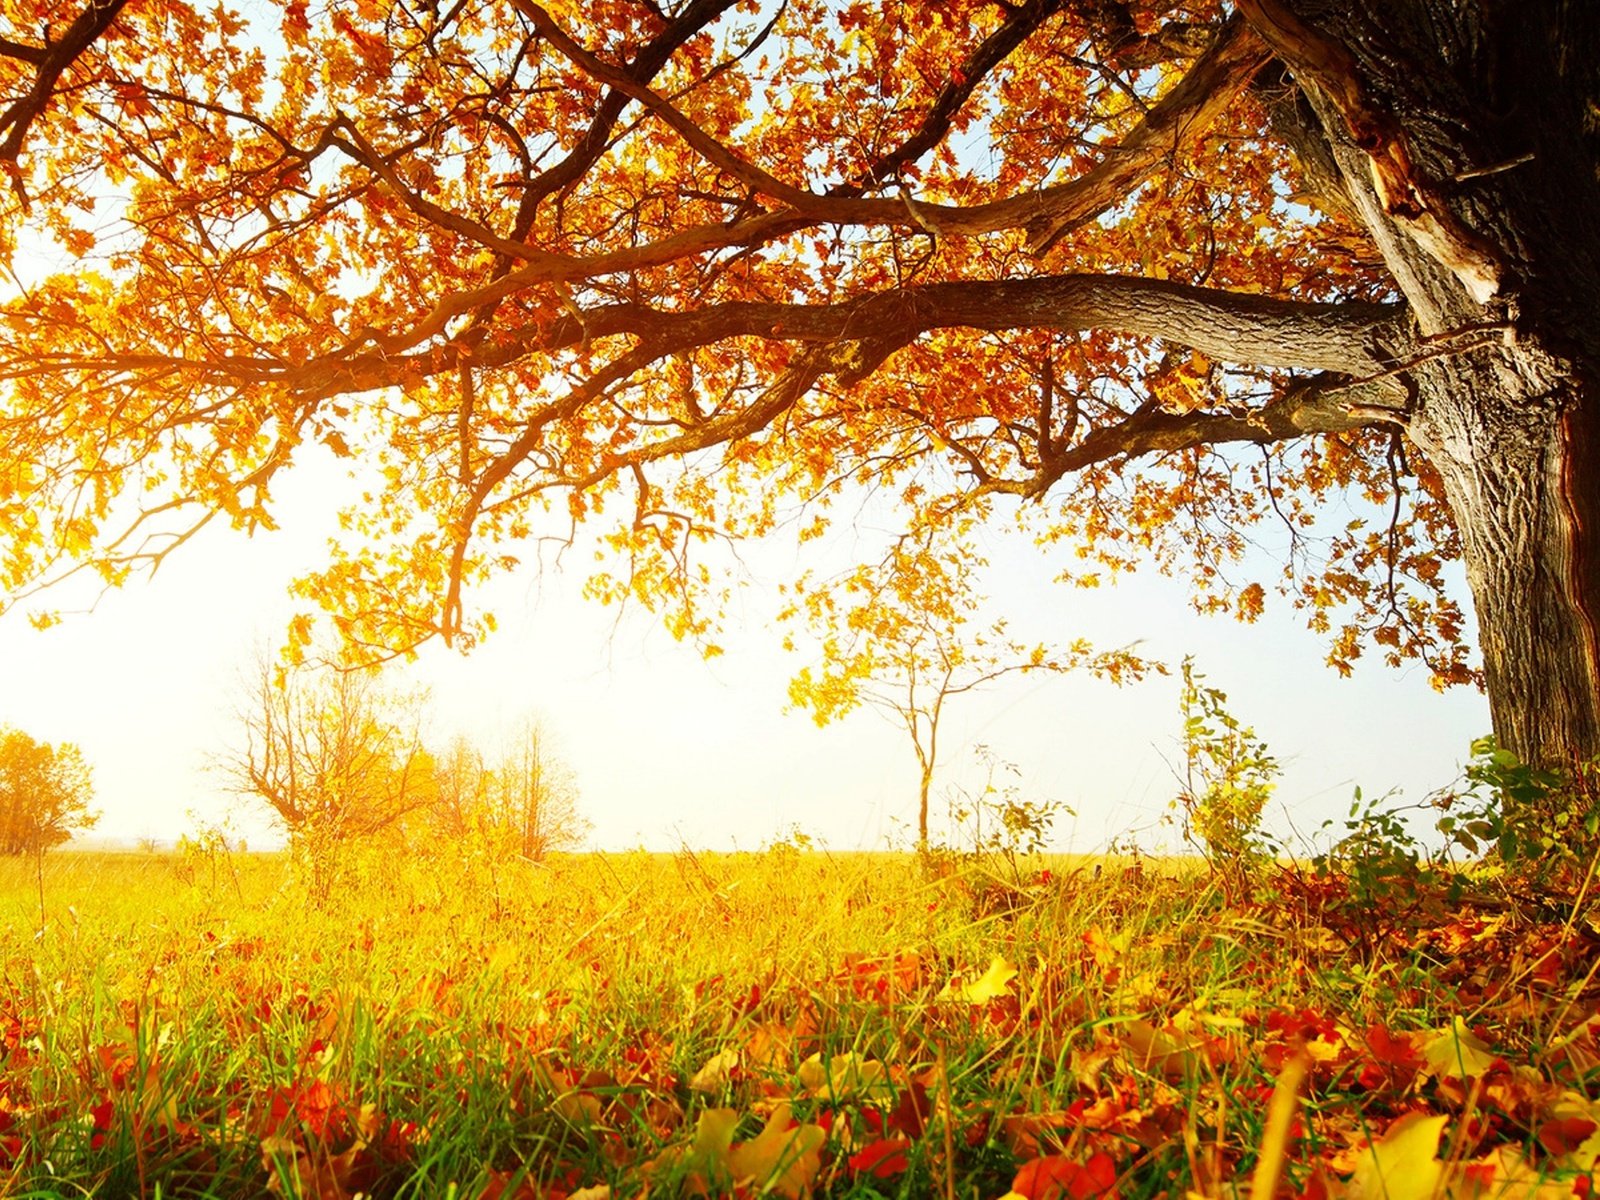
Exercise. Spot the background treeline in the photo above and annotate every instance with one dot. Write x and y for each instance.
(343, 760)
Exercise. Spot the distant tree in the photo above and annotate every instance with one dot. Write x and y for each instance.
(901, 639)
(535, 795)
(44, 793)
(461, 789)
(337, 756)
(525, 801)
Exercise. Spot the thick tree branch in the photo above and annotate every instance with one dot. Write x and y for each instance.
(1354, 339)
(1291, 118)
(1321, 404)
(51, 62)
(10, 48)
(1415, 201)
(1212, 85)
(854, 339)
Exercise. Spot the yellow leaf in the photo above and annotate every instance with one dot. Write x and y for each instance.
(781, 1158)
(992, 983)
(713, 1135)
(846, 1076)
(704, 1163)
(1506, 1175)
(717, 1073)
(1455, 1051)
(1168, 1052)
(1402, 1165)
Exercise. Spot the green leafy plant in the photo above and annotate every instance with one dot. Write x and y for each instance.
(1379, 876)
(997, 820)
(1228, 776)
(1542, 825)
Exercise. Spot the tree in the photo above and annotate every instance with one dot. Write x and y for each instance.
(535, 795)
(1152, 271)
(44, 793)
(525, 801)
(461, 790)
(335, 755)
(904, 646)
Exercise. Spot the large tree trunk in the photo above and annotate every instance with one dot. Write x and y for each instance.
(1466, 134)
(1515, 477)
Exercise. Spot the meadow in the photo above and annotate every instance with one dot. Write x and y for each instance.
(786, 1023)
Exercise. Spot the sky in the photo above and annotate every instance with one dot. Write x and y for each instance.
(669, 748)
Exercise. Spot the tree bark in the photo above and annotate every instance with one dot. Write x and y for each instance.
(1465, 134)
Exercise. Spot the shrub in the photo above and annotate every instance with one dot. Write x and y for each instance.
(1227, 779)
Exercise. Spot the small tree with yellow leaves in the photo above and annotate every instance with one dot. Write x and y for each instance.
(904, 639)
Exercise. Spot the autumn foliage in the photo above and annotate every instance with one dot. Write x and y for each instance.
(1162, 279)
(45, 793)
(688, 272)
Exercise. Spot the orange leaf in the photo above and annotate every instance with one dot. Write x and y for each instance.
(1057, 1177)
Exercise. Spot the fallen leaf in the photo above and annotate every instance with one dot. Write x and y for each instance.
(1458, 1053)
(770, 1048)
(845, 1077)
(882, 1159)
(1160, 1050)
(1057, 1177)
(993, 983)
(782, 1158)
(1401, 1165)
(717, 1074)
(1507, 1175)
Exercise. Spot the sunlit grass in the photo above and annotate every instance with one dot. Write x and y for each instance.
(542, 1029)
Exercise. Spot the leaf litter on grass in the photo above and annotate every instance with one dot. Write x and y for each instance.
(1130, 1039)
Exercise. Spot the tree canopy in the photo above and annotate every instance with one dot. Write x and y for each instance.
(1161, 278)
(44, 793)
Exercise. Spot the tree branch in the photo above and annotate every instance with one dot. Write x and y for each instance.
(51, 61)
(1020, 24)
(1320, 404)
(1415, 201)
(1353, 338)
(650, 59)
(1212, 85)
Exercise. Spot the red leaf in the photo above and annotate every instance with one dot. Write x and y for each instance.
(882, 1159)
(1563, 1135)
(910, 1113)
(1390, 1050)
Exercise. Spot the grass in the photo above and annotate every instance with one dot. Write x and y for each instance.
(784, 1023)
